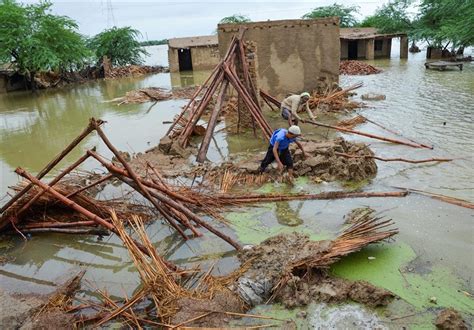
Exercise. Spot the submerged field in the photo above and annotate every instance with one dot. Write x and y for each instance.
(429, 258)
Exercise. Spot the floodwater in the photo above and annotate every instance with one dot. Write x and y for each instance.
(432, 255)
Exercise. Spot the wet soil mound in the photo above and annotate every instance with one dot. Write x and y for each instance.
(270, 261)
(324, 162)
(450, 319)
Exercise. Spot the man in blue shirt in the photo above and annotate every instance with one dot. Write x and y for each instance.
(278, 149)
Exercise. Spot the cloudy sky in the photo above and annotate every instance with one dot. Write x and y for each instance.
(160, 19)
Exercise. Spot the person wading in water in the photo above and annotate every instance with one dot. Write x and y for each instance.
(294, 103)
(278, 149)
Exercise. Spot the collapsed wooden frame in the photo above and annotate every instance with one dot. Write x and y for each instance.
(225, 74)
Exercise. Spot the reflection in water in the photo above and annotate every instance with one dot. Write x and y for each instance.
(286, 215)
(188, 78)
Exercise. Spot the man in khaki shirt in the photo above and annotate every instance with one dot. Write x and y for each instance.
(292, 104)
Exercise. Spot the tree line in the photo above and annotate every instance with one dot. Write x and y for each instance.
(439, 23)
(32, 40)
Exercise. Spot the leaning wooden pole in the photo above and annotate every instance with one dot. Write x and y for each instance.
(171, 203)
(398, 134)
(91, 127)
(52, 183)
(70, 203)
(201, 157)
(66, 201)
(134, 177)
(372, 136)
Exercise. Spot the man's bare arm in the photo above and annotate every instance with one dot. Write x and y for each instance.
(275, 153)
(301, 148)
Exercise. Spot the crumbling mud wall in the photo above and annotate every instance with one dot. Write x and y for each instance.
(293, 55)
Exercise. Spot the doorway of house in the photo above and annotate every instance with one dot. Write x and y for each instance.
(185, 60)
(352, 49)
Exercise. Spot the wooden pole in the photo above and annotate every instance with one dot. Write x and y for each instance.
(412, 161)
(52, 183)
(66, 201)
(69, 203)
(201, 157)
(58, 224)
(73, 231)
(322, 196)
(103, 179)
(170, 202)
(200, 109)
(372, 136)
(398, 134)
(92, 124)
(139, 186)
(267, 131)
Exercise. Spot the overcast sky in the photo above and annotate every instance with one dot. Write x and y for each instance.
(160, 19)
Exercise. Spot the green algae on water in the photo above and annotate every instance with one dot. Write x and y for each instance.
(387, 271)
(253, 226)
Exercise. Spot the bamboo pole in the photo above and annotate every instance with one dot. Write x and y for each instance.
(412, 161)
(270, 98)
(69, 203)
(58, 224)
(134, 177)
(144, 192)
(52, 183)
(363, 134)
(443, 198)
(103, 179)
(92, 124)
(200, 109)
(73, 231)
(249, 103)
(201, 157)
(398, 134)
(168, 201)
(66, 201)
(322, 196)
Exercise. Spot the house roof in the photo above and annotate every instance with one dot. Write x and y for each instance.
(193, 41)
(364, 33)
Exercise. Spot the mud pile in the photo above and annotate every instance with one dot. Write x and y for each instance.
(323, 161)
(270, 261)
(450, 319)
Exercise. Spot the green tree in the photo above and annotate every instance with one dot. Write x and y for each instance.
(120, 45)
(235, 19)
(33, 40)
(345, 14)
(444, 22)
(392, 17)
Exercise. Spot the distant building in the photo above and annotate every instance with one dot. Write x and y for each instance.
(367, 43)
(289, 55)
(193, 53)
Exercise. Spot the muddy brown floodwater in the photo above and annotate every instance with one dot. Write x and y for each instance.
(431, 257)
